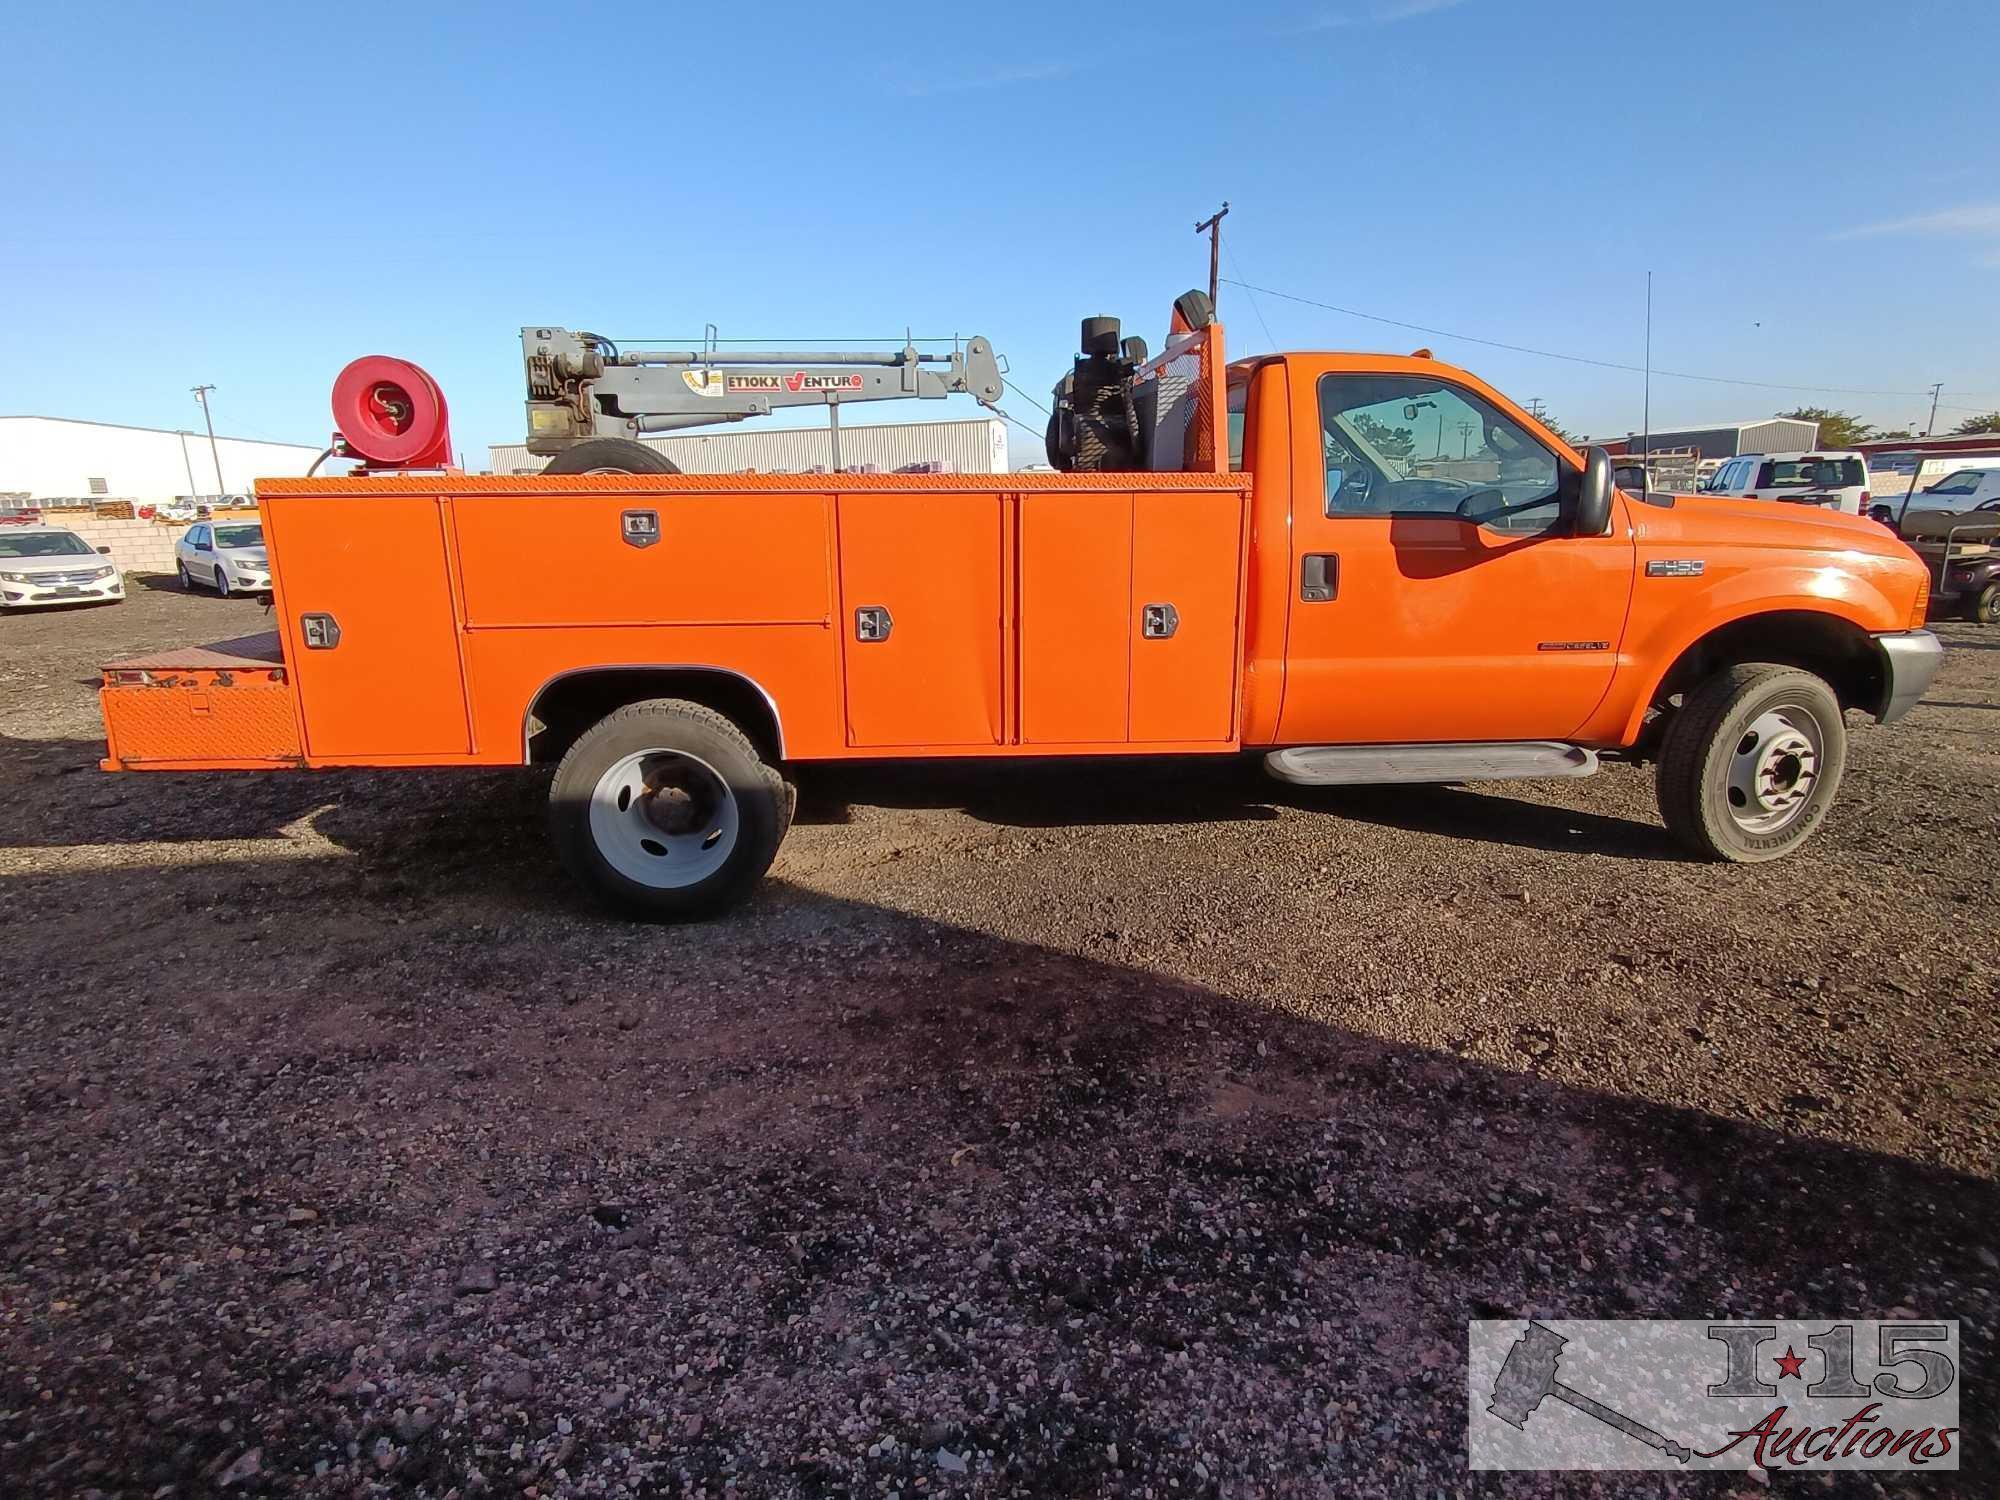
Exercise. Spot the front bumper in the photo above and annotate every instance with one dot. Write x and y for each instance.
(41, 596)
(1909, 661)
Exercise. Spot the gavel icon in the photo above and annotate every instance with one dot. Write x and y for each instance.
(1529, 1374)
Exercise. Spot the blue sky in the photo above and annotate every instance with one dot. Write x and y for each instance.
(251, 195)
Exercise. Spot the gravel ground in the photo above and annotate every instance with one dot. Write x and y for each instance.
(1036, 1131)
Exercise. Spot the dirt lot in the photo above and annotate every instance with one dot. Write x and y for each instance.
(1036, 1131)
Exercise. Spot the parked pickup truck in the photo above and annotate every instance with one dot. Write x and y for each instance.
(1365, 568)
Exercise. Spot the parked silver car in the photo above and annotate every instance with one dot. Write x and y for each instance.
(50, 565)
(227, 556)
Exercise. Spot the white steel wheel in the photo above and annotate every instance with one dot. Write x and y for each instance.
(1751, 762)
(664, 819)
(666, 809)
(1773, 768)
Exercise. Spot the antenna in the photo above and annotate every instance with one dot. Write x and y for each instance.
(1646, 417)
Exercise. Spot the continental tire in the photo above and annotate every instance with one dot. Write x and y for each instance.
(610, 456)
(1751, 762)
(665, 810)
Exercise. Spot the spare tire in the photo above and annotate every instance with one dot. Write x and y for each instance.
(610, 456)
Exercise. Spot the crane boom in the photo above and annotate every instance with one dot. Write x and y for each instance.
(582, 386)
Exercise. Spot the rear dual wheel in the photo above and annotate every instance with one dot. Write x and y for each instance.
(665, 809)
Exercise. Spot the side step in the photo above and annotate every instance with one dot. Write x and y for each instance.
(1363, 765)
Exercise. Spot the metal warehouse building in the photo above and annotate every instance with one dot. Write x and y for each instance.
(1726, 440)
(973, 446)
(57, 458)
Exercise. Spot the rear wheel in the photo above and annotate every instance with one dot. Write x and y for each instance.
(610, 456)
(187, 578)
(1984, 608)
(1751, 763)
(665, 809)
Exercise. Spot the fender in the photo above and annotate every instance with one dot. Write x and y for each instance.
(1664, 624)
(704, 668)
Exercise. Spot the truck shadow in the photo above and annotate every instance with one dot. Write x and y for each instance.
(52, 795)
(768, 1124)
(1223, 789)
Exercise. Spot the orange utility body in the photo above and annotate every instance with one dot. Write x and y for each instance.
(1021, 607)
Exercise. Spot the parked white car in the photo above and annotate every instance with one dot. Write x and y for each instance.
(42, 565)
(1832, 478)
(227, 556)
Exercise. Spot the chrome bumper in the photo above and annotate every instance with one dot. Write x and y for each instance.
(1909, 662)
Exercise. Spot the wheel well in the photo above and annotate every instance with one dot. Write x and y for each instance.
(570, 704)
(1840, 652)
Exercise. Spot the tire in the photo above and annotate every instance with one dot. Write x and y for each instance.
(1984, 607)
(648, 854)
(610, 456)
(1751, 762)
(187, 578)
(221, 581)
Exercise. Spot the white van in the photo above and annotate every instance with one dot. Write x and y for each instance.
(1836, 479)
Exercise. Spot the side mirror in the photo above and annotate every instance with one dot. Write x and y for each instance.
(105, 550)
(1593, 501)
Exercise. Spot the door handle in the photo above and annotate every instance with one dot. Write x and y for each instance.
(872, 623)
(1319, 577)
(1158, 622)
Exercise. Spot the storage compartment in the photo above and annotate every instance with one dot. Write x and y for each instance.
(1076, 617)
(229, 704)
(1128, 625)
(920, 618)
(370, 629)
(663, 558)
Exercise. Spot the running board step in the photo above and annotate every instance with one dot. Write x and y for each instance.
(1364, 765)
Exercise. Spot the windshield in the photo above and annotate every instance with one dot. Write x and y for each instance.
(44, 544)
(1812, 474)
(1965, 482)
(239, 536)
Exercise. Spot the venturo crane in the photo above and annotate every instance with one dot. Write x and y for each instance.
(590, 402)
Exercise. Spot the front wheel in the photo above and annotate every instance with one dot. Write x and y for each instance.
(665, 809)
(1751, 763)
(221, 581)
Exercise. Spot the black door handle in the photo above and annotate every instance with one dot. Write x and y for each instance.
(1319, 577)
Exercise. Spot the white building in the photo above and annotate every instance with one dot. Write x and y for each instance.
(976, 445)
(56, 458)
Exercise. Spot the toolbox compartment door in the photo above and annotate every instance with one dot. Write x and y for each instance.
(920, 617)
(1076, 617)
(392, 684)
(1187, 554)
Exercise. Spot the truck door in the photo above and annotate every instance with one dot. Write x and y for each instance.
(1436, 591)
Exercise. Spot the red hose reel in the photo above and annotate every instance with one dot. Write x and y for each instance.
(390, 414)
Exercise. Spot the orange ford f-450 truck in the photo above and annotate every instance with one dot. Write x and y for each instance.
(1365, 568)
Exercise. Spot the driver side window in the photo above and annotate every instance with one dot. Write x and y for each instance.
(1412, 445)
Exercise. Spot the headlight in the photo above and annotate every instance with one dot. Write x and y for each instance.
(17, 577)
(104, 572)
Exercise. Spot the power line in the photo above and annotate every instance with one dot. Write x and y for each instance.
(1268, 339)
(1577, 359)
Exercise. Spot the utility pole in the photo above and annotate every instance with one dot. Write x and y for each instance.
(1464, 440)
(1931, 426)
(1213, 225)
(215, 456)
(1537, 408)
(188, 464)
